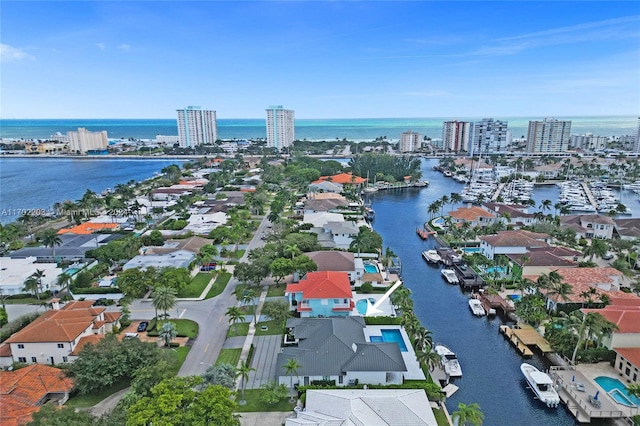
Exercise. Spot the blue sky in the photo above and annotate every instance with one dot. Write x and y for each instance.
(86, 59)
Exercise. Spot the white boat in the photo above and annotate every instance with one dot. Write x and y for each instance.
(449, 361)
(477, 308)
(371, 189)
(431, 256)
(450, 276)
(541, 384)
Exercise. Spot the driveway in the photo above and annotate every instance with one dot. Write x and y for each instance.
(275, 418)
(267, 349)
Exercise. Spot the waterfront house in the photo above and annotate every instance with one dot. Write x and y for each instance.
(628, 228)
(345, 179)
(57, 335)
(589, 225)
(326, 186)
(338, 261)
(543, 260)
(513, 215)
(625, 341)
(335, 349)
(16, 271)
(90, 227)
(23, 391)
(371, 407)
(73, 247)
(321, 294)
(549, 171)
(511, 242)
(332, 205)
(474, 215)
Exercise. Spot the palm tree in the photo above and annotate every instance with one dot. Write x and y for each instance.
(50, 238)
(292, 249)
(235, 316)
(468, 414)
(167, 333)
(388, 259)
(291, 367)
(243, 372)
(545, 205)
(31, 285)
(64, 280)
(164, 298)
(430, 358)
(249, 296)
(597, 247)
(559, 291)
(585, 326)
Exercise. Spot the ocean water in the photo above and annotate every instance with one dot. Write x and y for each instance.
(36, 184)
(310, 129)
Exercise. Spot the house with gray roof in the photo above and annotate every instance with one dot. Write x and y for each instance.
(336, 349)
(73, 247)
(326, 186)
(340, 261)
(628, 228)
(175, 259)
(370, 407)
(589, 225)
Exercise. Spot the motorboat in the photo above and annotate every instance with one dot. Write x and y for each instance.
(370, 189)
(449, 361)
(541, 384)
(431, 256)
(450, 276)
(477, 308)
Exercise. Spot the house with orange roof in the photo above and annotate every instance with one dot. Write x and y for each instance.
(343, 179)
(474, 215)
(625, 341)
(54, 336)
(321, 294)
(23, 391)
(89, 228)
(511, 242)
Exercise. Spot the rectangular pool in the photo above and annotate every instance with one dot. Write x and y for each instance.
(370, 269)
(388, 336)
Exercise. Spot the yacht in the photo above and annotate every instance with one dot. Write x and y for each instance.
(450, 276)
(541, 384)
(477, 308)
(370, 189)
(431, 256)
(449, 361)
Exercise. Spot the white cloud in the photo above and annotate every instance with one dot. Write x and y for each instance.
(124, 47)
(100, 46)
(10, 53)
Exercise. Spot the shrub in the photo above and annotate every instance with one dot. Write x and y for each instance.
(366, 288)
(17, 325)
(382, 320)
(323, 383)
(582, 242)
(96, 290)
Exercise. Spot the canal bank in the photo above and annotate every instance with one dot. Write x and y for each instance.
(490, 365)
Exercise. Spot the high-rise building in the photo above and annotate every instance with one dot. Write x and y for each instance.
(83, 141)
(455, 135)
(550, 135)
(488, 137)
(637, 147)
(588, 141)
(280, 127)
(196, 127)
(409, 141)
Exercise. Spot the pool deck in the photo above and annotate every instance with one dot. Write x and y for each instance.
(386, 307)
(414, 372)
(577, 401)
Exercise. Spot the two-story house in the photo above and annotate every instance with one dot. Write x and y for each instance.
(511, 242)
(590, 225)
(338, 261)
(474, 215)
(322, 294)
(512, 215)
(55, 336)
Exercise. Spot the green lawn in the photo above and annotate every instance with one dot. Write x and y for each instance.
(81, 401)
(248, 309)
(441, 418)
(197, 285)
(276, 291)
(218, 287)
(273, 328)
(181, 354)
(242, 327)
(26, 301)
(252, 396)
(229, 356)
(184, 327)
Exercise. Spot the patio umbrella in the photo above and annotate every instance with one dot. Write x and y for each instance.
(596, 395)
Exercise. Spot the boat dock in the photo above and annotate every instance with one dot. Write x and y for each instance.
(515, 341)
(496, 194)
(522, 336)
(467, 277)
(495, 301)
(587, 191)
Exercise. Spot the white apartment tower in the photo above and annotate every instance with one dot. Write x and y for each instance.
(84, 140)
(550, 135)
(637, 147)
(280, 127)
(455, 135)
(488, 137)
(409, 141)
(196, 127)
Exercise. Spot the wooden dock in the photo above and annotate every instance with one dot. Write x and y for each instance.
(515, 341)
(495, 301)
(587, 191)
(496, 194)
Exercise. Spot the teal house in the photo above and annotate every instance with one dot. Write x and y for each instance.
(321, 295)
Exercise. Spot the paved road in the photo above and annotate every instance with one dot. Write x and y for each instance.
(15, 311)
(210, 316)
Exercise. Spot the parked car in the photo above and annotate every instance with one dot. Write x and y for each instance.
(143, 326)
(608, 256)
(208, 267)
(130, 335)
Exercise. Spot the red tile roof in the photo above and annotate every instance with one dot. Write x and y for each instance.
(472, 213)
(323, 285)
(92, 338)
(22, 391)
(88, 228)
(343, 178)
(630, 354)
(627, 318)
(5, 350)
(516, 239)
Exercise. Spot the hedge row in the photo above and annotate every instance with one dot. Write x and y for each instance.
(97, 290)
(382, 320)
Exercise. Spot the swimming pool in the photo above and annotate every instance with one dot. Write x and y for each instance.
(361, 305)
(370, 268)
(618, 391)
(471, 249)
(515, 297)
(390, 335)
(499, 269)
(71, 271)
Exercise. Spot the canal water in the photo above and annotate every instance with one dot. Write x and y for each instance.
(490, 365)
